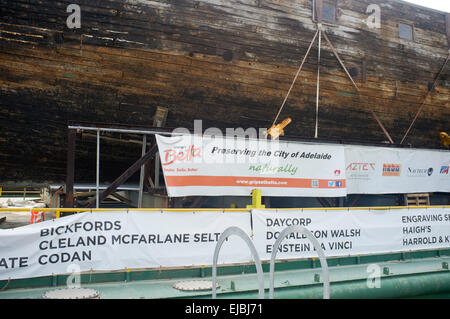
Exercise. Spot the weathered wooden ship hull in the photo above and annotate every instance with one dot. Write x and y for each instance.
(227, 62)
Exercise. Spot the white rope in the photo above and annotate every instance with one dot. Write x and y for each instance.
(318, 87)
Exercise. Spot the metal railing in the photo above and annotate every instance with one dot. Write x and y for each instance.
(58, 211)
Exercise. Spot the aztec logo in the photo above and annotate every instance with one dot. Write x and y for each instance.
(444, 169)
(391, 169)
(361, 167)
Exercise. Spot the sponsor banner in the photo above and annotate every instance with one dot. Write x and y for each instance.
(108, 241)
(105, 241)
(216, 166)
(350, 233)
(382, 170)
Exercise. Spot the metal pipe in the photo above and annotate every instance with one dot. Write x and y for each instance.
(287, 138)
(70, 176)
(118, 130)
(97, 187)
(417, 285)
(25, 209)
(150, 132)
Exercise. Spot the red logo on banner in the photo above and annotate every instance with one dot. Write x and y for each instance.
(361, 167)
(36, 217)
(172, 156)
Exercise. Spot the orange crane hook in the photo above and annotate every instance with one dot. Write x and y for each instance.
(276, 130)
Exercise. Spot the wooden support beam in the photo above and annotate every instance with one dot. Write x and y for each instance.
(158, 191)
(122, 199)
(150, 182)
(142, 176)
(125, 176)
(81, 195)
(159, 120)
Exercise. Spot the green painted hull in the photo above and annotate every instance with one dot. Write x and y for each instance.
(422, 274)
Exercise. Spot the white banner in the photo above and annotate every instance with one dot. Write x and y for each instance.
(107, 241)
(383, 170)
(104, 241)
(353, 232)
(216, 166)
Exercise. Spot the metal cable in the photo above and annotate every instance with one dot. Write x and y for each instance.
(295, 78)
(356, 87)
(425, 99)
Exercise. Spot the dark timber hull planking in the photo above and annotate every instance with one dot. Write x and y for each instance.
(229, 63)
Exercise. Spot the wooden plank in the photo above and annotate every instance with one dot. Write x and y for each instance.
(417, 199)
